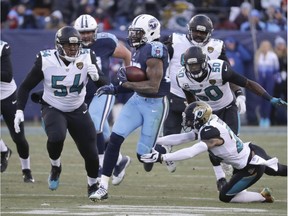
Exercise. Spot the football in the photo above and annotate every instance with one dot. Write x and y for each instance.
(135, 74)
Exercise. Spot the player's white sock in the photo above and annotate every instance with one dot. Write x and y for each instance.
(3, 147)
(105, 181)
(219, 173)
(247, 196)
(101, 158)
(91, 181)
(25, 163)
(55, 162)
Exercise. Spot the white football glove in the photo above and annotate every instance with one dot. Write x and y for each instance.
(241, 104)
(152, 157)
(19, 117)
(93, 72)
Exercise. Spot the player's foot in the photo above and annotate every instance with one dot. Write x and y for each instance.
(220, 183)
(119, 170)
(148, 166)
(27, 176)
(100, 194)
(171, 165)
(53, 179)
(266, 193)
(4, 159)
(92, 189)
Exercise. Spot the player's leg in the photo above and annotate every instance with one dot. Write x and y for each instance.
(80, 127)
(235, 189)
(172, 124)
(5, 155)
(123, 126)
(55, 126)
(8, 110)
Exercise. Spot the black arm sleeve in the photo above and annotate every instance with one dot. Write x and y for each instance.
(102, 79)
(32, 79)
(229, 75)
(223, 55)
(6, 65)
(169, 43)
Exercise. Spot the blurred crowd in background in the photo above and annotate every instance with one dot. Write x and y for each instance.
(269, 15)
(269, 59)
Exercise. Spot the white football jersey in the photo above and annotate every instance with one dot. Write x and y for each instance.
(7, 89)
(211, 89)
(233, 151)
(180, 44)
(65, 86)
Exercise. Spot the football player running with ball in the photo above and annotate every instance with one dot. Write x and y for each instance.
(148, 106)
(105, 45)
(249, 161)
(64, 72)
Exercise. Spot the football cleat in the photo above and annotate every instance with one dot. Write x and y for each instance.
(148, 166)
(53, 179)
(171, 165)
(119, 170)
(220, 183)
(4, 159)
(92, 189)
(27, 176)
(266, 193)
(100, 194)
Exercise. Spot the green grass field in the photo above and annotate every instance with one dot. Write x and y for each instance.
(191, 190)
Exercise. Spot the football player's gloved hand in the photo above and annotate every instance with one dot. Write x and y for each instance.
(240, 102)
(152, 157)
(93, 72)
(121, 75)
(106, 89)
(19, 117)
(278, 101)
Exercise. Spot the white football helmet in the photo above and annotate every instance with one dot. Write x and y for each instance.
(86, 23)
(144, 28)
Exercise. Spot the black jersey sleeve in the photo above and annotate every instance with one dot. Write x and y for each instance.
(223, 55)
(229, 75)
(34, 77)
(169, 44)
(6, 64)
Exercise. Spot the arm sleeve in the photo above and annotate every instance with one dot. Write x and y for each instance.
(176, 139)
(186, 153)
(229, 75)
(6, 65)
(223, 55)
(32, 79)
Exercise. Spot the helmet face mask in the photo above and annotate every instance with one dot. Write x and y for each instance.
(195, 62)
(200, 29)
(196, 115)
(144, 28)
(87, 26)
(68, 43)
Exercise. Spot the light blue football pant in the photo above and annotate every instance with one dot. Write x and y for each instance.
(149, 113)
(99, 109)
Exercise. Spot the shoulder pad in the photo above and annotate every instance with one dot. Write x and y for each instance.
(103, 35)
(209, 132)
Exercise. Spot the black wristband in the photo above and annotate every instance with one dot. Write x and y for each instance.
(238, 92)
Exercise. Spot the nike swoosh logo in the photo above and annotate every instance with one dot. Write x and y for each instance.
(225, 68)
(84, 112)
(154, 110)
(207, 129)
(14, 102)
(7, 47)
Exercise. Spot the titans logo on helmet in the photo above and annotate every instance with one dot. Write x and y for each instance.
(153, 23)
